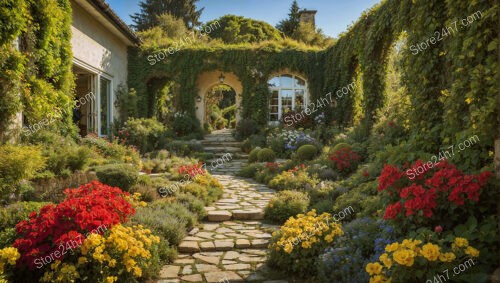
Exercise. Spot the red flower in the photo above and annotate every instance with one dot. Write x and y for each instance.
(439, 186)
(344, 159)
(192, 170)
(389, 176)
(392, 210)
(86, 209)
(438, 229)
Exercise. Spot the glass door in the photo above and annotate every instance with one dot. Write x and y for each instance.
(105, 107)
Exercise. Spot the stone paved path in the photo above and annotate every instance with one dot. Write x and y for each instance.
(231, 245)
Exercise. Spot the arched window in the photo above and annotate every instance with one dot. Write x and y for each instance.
(288, 93)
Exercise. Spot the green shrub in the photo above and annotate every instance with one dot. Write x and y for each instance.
(18, 163)
(196, 190)
(252, 142)
(7, 237)
(145, 134)
(328, 174)
(253, 156)
(178, 210)
(339, 146)
(323, 206)
(298, 180)
(123, 176)
(193, 203)
(66, 157)
(307, 152)
(184, 124)
(286, 204)
(266, 155)
(14, 213)
(246, 128)
(214, 193)
(161, 223)
(182, 148)
(249, 171)
(112, 152)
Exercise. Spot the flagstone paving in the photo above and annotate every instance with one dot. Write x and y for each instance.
(231, 245)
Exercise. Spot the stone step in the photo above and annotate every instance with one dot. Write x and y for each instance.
(239, 214)
(217, 142)
(222, 149)
(248, 214)
(193, 247)
(219, 215)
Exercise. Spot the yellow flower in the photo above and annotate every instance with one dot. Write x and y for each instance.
(384, 258)
(379, 279)
(82, 260)
(373, 268)
(137, 272)
(392, 247)
(461, 242)
(472, 252)
(111, 279)
(306, 245)
(329, 238)
(404, 257)
(288, 248)
(430, 252)
(10, 254)
(447, 257)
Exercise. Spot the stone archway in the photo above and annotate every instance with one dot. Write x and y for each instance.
(206, 81)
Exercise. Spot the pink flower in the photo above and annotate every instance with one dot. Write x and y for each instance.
(438, 229)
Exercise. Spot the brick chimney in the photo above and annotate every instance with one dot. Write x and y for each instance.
(308, 16)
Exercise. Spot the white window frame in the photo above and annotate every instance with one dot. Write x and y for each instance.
(111, 99)
(280, 88)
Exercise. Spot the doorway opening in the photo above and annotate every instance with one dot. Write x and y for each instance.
(85, 109)
(220, 108)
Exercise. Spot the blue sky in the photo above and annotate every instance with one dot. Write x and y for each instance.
(333, 15)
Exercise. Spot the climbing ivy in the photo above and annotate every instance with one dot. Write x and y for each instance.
(251, 65)
(452, 84)
(36, 78)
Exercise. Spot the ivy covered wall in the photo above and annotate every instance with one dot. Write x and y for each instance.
(449, 67)
(452, 83)
(252, 66)
(37, 77)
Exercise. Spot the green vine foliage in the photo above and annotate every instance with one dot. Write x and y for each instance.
(252, 65)
(451, 85)
(37, 78)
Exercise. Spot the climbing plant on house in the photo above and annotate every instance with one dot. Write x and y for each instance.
(35, 60)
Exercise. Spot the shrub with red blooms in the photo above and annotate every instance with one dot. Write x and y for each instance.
(86, 209)
(192, 170)
(436, 194)
(345, 159)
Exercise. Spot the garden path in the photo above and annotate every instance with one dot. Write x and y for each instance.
(231, 246)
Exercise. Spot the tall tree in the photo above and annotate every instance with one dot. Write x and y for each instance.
(151, 9)
(288, 26)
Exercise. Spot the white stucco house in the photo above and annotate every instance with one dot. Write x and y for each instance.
(100, 40)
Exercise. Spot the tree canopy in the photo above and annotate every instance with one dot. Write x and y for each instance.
(148, 17)
(308, 34)
(237, 29)
(288, 26)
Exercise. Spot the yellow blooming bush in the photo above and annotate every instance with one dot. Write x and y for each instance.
(135, 200)
(299, 242)
(413, 260)
(8, 257)
(124, 254)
